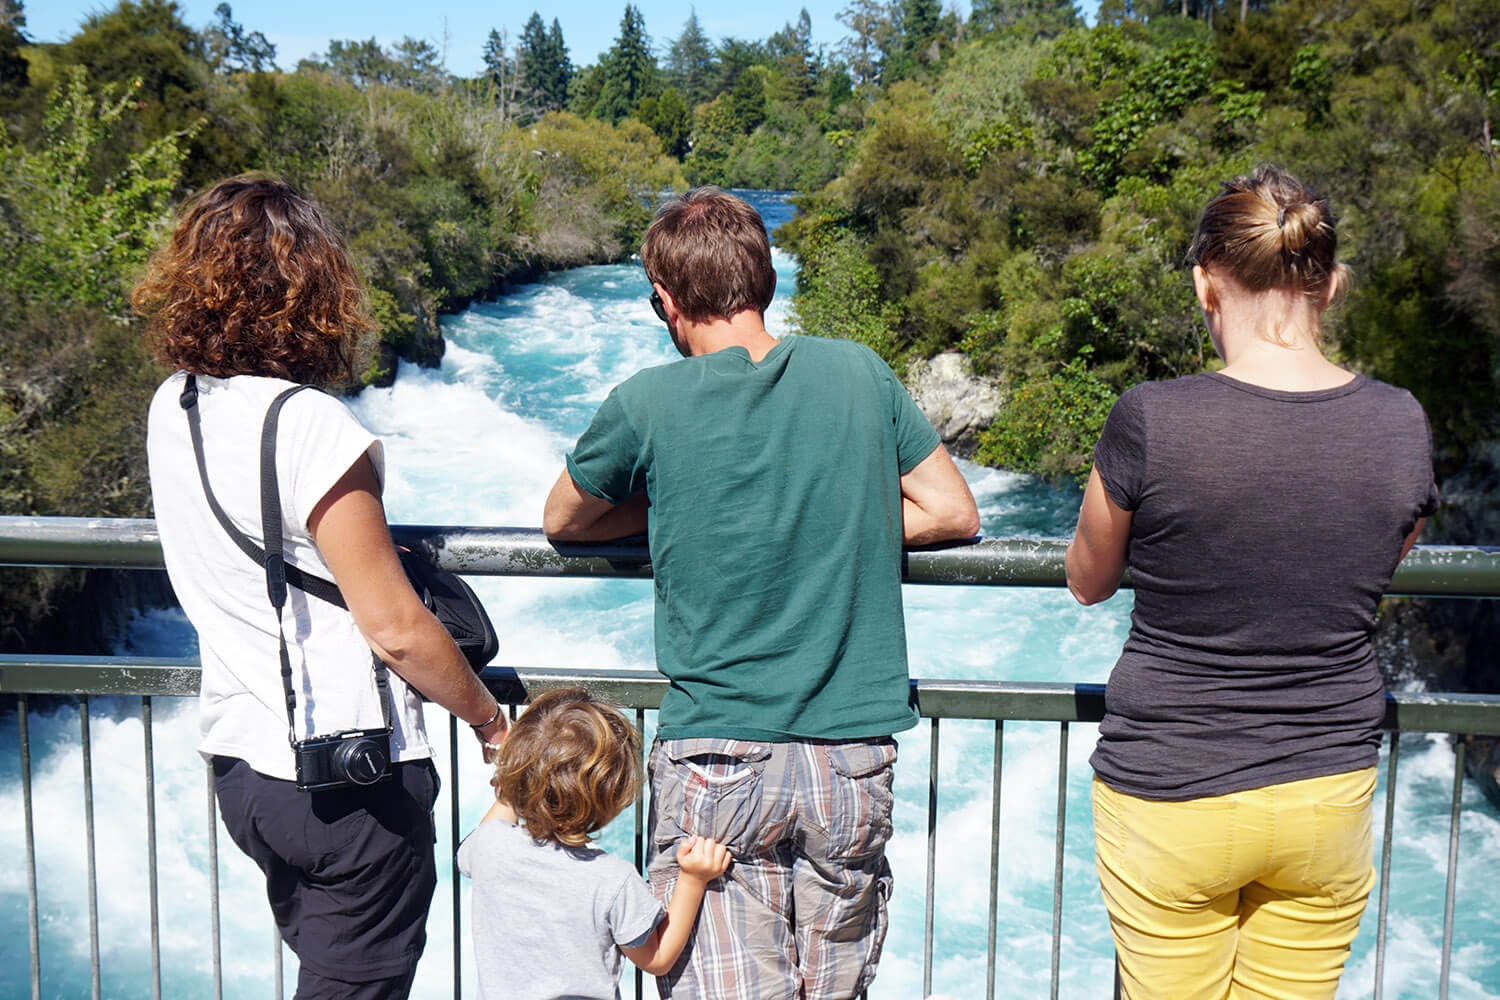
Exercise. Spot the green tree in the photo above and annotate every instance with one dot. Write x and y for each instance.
(146, 41)
(734, 56)
(628, 69)
(690, 64)
(231, 48)
(77, 227)
(792, 48)
(747, 102)
(14, 73)
(874, 37)
(417, 65)
(1040, 16)
(506, 75)
(364, 64)
(559, 68)
(668, 115)
(544, 68)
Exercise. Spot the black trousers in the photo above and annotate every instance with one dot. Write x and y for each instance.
(349, 872)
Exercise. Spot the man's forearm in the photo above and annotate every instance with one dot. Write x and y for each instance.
(620, 521)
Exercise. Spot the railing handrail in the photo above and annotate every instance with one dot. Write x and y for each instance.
(132, 543)
(1419, 711)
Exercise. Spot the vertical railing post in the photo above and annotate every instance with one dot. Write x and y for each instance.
(1452, 888)
(152, 903)
(1383, 908)
(640, 821)
(992, 943)
(453, 874)
(278, 961)
(213, 889)
(1057, 859)
(95, 977)
(932, 792)
(33, 915)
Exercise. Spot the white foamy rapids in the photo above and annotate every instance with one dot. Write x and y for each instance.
(480, 441)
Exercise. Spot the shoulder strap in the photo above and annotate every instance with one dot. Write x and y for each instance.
(318, 587)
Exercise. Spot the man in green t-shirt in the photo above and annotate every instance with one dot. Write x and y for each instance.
(776, 481)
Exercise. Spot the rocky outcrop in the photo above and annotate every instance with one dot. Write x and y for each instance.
(956, 401)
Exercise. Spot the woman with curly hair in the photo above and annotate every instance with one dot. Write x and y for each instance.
(252, 295)
(1262, 509)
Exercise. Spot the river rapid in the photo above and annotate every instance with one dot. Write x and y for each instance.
(480, 441)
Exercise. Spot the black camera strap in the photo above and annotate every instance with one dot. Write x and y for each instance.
(278, 572)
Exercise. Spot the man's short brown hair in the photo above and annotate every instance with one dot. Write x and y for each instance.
(570, 764)
(710, 251)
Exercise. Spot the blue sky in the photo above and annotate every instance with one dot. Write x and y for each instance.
(298, 28)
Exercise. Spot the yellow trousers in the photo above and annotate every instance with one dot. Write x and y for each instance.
(1251, 894)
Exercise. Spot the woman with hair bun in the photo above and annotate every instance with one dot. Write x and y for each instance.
(1261, 510)
(252, 295)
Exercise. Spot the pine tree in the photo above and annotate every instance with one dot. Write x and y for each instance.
(629, 69)
(14, 73)
(560, 78)
(792, 47)
(690, 62)
(542, 59)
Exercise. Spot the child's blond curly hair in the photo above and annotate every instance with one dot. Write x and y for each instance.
(569, 765)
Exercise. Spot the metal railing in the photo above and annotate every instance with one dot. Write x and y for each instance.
(1431, 570)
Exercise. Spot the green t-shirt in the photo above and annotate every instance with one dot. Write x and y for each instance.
(775, 532)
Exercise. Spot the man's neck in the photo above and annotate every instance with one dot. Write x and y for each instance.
(746, 328)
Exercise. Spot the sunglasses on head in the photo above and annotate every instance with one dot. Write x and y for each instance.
(658, 307)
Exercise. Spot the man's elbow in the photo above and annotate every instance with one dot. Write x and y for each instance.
(960, 520)
(966, 523)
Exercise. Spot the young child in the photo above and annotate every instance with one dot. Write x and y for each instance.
(552, 915)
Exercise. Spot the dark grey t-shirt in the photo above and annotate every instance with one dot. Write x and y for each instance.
(1266, 527)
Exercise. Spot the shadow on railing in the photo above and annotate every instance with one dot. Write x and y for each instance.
(1434, 571)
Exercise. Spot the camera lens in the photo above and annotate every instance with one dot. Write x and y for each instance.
(362, 762)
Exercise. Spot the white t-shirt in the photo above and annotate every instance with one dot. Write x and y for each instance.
(242, 706)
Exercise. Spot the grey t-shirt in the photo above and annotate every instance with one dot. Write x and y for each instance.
(1266, 527)
(549, 920)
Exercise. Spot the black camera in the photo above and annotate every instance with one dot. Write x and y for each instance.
(351, 757)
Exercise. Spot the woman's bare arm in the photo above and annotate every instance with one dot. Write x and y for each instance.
(348, 525)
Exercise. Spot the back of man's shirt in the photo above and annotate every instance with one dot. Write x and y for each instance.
(775, 533)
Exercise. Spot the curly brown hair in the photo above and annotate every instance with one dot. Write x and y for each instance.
(569, 765)
(254, 280)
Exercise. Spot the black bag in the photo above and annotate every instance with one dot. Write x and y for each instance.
(456, 607)
(448, 597)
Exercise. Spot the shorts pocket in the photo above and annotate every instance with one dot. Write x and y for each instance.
(1178, 851)
(721, 789)
(1340, 863)
(860, 797)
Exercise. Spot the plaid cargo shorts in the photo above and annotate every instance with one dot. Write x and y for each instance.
(801, 913)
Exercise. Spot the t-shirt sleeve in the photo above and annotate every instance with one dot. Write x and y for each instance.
(607, 461)
(1120, 456)
(915, 436)
(634, 913)
(317, 441)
